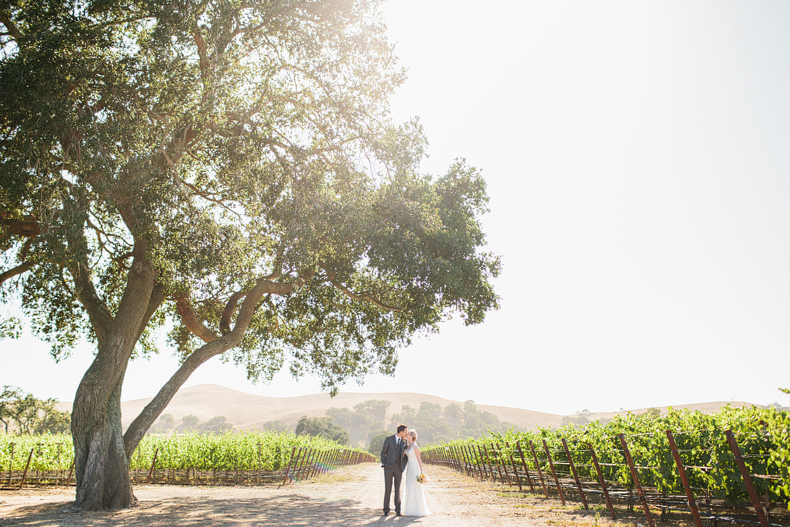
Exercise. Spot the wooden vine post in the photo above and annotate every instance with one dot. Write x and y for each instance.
(153, 466)
(575, 475)
(290, 462)
(642, 498)
(554, 472)
(526, 467)
(540, 472)
(684, 479)
(602, 482)
(747, 480)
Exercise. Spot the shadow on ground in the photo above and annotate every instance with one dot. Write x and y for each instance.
(288, 510)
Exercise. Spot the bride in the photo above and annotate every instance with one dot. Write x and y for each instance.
(414, 500)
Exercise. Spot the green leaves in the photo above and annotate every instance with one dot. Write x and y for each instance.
(762, 434)
(224, 144)
(22, 413)
(229, 451)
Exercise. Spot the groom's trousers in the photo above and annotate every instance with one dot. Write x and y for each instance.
(392, 475)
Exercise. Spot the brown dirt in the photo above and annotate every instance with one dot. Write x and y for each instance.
(350, 496)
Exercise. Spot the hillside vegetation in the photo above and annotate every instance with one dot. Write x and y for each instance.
(248, 411)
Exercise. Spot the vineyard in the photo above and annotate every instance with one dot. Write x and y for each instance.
(731, 466)
(250, 458)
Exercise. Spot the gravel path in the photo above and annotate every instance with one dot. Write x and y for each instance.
(350, 496)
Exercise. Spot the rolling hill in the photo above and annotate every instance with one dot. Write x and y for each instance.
(249, 411)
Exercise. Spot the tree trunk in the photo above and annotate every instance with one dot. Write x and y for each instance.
(101, 465)
(101, 460)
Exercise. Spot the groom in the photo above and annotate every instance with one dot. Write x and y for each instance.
(394, 462)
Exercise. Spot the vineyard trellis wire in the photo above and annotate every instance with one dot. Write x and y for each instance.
(247, 458)
(731, 466)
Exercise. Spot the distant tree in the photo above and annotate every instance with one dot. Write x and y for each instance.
(652, 413)
(8, 400)
(374, 409)
(507, 425)
(354, 423)
(579, 418)
(228, 170)
(189, 422)
(276, 426)
(217, 424)
(453, 412)
(165, 423)
(29, 415)
(366, 418)
(324, 427)
(476, 422)
(53, 421)
(455, 421)
(377, 441)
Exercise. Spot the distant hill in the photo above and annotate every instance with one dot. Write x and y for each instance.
(249, 411)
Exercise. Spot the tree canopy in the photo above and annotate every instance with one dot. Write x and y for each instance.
(229, 171)
(22, 413)
(366, 419)
(323, 427)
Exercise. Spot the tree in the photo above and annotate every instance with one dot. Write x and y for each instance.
(52, 420)
(8, 400)
(216, 424)
(434, 424)
(189, 423)
(367, 418)
(29, 415)
(324, 427)
(581, 417)
(377, 441)
(652, 413)
(276, 426)
(165, 423)
(228, 170)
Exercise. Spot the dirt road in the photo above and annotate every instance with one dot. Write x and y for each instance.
(350, 496)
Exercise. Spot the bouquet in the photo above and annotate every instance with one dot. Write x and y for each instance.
(422, 478)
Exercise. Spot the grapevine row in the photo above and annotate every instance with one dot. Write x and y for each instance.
(727, 465)
(233, 458)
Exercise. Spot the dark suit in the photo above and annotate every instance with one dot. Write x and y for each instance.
(393, 461)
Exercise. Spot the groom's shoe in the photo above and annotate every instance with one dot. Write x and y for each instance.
(386, 512)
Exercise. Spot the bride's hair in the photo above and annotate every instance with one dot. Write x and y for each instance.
(413, 433)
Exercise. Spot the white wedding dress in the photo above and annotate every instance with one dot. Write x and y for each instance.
(413, 499)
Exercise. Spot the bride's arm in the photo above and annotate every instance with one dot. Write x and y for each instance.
(417, 455)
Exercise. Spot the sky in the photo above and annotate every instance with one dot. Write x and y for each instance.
(637, 160)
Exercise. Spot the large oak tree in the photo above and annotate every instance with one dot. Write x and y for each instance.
(226, 170)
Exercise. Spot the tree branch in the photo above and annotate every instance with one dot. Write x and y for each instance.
(19, 269)
(157, 297)
(99, 314)
(224, 323)
(360, 297)
(201, 49)
(151, 412)
(5, 19)
(191, 320)
(20, 226)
